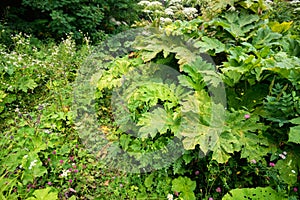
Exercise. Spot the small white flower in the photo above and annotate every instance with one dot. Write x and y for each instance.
(144, 3)
(65, 173)
(174, 2)
(169, 11)
(190, 12)
(170, 197)
(32, 164)
(155, 3)
(293, 171)
(26, 156)
(282, 156)
(284, 152)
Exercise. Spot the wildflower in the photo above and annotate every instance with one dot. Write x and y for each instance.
(293, 171)
(295, 189)
(54, 152)
(144, 3)
(170, 197)
(121, 185)
(74, 165)
(284, 153)
(64, 173)
(70, 181)
(218, 190)
(155, 3)
(190, 12)
(72, 158)
(210, 198)
(61, 161)
(271, 164)
(32, 164)
(169, 11)
(247, 116)
(75, 171)
(282, 156)
(253, 161)
(72, 190)
(197, 173)
(49, 183)
(26, 156)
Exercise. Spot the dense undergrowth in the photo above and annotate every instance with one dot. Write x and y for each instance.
(230, 121)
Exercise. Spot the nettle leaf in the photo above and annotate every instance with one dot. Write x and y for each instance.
(152, 123)
(237, 24)
(253, 194)
(210, 44)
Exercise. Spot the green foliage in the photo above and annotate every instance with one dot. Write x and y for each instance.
(225, 126)
(185, 187)
(253, 193)
(43, 194)
(57, 19)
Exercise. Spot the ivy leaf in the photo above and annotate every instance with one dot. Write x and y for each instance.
(210, 44)
(152, 123)
(253, 194)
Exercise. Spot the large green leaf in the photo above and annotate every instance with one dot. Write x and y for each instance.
(210, 44)
(44, 194)
(288, 168)
(240, 134)
(237, 24)
(258, 193)
(185, 186)
(294, 134)
(152, 123)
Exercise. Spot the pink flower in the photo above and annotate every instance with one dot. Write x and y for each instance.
(176, 193)
(295, 189)
(271, 164)
(70, 181)
(197, 173)
(218, 190)
(72, 190)
(72, 158)
(75, 171)
(49, 183)
(210, 198)
(54, 152)
(247, 116)
(253, 161)
(61, 161)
